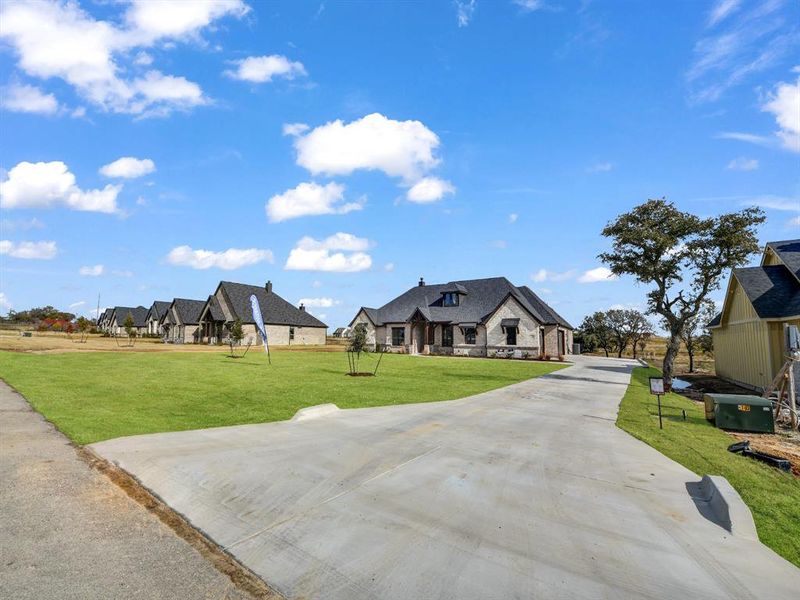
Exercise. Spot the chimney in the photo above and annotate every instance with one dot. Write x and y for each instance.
(421, 282)
(268, 287)
(302, 307)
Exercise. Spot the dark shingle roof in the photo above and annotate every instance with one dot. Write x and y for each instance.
(716, 321)
(481, 298)
(214, 309)
(188, 310)
(274, 309)
(157, 310)
(773, 291)
(789, 253)
(139, 314)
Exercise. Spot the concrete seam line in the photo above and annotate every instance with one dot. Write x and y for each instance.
(240, 576)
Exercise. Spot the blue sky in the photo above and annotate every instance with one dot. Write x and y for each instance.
(343, 150)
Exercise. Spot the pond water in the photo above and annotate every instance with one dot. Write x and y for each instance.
(680, 384)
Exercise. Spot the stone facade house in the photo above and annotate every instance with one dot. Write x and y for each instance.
(115, 321)
(476, 317)
(157, 310)
(180, 322)
(760, 303)
(285, 324)
(102, 321)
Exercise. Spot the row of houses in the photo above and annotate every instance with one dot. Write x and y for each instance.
(209, 321)
(474, 317)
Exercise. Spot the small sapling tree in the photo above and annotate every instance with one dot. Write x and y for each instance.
(235, 336)
(356, 346)
(84, 325)
(130, 329)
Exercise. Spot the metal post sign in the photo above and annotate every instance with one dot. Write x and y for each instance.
(259, 321)
(657, 389)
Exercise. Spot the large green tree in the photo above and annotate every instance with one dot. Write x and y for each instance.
(597, 328)
(682, 256)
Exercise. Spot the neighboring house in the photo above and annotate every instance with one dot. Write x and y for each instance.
(118, 316)
(154, 315)
(180, 322)
(102, 321)
(476, 317)
(285, 323)
(342, 332)
(749, 346)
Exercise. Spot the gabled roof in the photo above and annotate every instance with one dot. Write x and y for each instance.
(481, 297)
(773, 291)
(138, 313)
(716, 321)
(188, 311)
(788, 251)
(157, 309)
(212, 311)
(274, 309)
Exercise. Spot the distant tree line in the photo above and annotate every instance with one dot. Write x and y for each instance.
(614, 330)
(34, 315)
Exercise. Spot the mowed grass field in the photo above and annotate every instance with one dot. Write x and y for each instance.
(772, 495)
(93, 396)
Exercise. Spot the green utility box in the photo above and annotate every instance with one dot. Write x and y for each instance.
(741, 413)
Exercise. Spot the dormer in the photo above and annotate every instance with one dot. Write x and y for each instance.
(451, 294)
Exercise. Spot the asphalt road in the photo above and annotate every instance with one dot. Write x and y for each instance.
(525, 492)
(67, 532)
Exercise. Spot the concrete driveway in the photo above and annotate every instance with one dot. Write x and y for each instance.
(529, 491)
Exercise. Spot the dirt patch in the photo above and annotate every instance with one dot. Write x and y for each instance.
(244, 579)
(360, 374)
(784, 444)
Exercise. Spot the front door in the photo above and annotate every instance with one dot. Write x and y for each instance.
(561, 344)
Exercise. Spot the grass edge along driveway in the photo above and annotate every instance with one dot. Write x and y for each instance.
(102, 395)
(773, 496)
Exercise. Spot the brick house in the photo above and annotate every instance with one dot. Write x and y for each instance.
(475, 317)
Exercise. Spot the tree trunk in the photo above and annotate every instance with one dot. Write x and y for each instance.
(669, 359)
(605, 348)
(634, 349)
(691, 361)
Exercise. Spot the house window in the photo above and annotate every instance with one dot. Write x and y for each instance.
(291, 333)
(398, 336)
(450, 299)
(447, 336)
(511, 336)
(469, 335)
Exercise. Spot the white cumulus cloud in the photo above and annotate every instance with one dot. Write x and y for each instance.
(5, 303)
(743, 164)
(543, 275)
(374, 142)
(597, 274)
(128, 167)
(341, 252)
(54, 39)
(28, 99)
(29, 250)
(319, 302)
(92, 270)
(784, 104)
(429, 189)
(44, 185)
(233, 258)
(310, 199)
(262, 69)
(294, 129)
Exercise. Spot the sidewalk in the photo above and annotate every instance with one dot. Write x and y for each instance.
(66, 531)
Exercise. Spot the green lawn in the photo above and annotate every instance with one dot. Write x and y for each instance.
(97, 396)
(773, 496)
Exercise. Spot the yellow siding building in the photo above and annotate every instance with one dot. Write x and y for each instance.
(749, 347)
